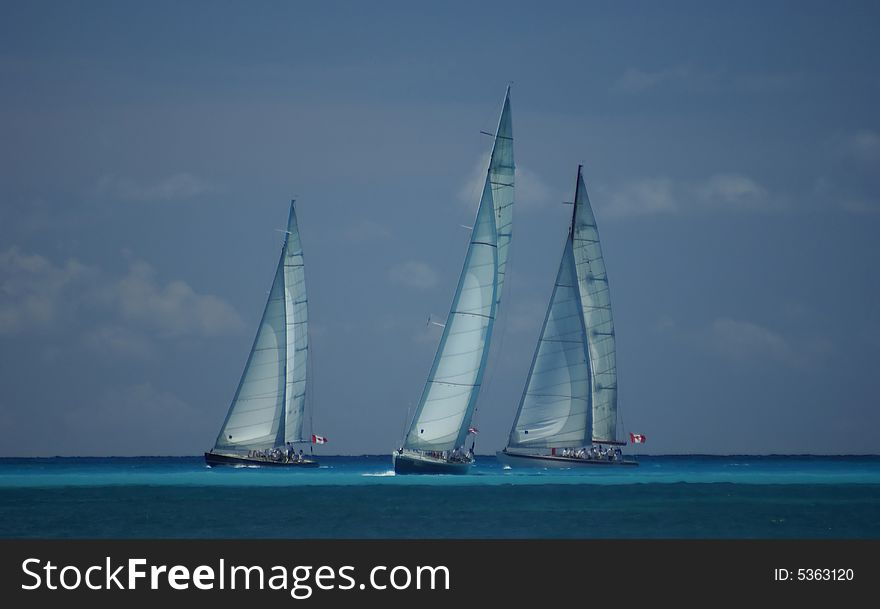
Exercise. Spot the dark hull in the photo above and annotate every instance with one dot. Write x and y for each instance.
(214, 459)
(523, 460)
(407, 464)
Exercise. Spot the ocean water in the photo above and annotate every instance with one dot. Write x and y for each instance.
(360, 497)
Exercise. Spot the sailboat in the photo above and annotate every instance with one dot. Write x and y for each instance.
(265, 420)
(567, 416)
(435, 442)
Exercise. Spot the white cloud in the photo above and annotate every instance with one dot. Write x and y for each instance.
(731, 191)
(634, 80)
(642, 196)
(747, 340)
(531, 191)
(173, 309)
(859, 207)
(177, 186)
(863, 145)
(769, 82)
(115, 340)
(663, 195)
(731, 187)
(33, 291)
(133, 420)
(366, 231)
(843, 198)
(413, 274)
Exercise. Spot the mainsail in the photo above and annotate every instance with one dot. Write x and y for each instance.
(268, 406)
(443, 415)
(570, 395)
(444, 412)
(596, 301)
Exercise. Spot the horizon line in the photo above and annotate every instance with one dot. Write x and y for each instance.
(490, 455)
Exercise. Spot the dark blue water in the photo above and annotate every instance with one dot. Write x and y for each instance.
(359, 497)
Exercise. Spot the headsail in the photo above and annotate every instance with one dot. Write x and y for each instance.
(555, 407)
(596, 299)
(267, 409)
(501, 177)
(447, 403)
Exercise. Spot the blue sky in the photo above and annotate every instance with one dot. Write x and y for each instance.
(149, 151)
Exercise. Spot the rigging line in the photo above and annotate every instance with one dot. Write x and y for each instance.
(472, 314)
(454, 384)
(556, 395)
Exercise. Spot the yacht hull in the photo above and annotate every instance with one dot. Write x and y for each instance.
(217, 459)
(553, 461)
(413, 464)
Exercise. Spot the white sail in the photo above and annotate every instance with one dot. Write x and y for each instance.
(297, 313)
(501, 177)
(268, 406)
(555, 407)
(255, 420)
(596, 299)
(447, 402)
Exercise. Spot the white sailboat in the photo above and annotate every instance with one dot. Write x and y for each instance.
(567, 415)
(438, 432)
(264, 423)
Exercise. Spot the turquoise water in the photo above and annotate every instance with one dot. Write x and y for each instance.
(356, 497)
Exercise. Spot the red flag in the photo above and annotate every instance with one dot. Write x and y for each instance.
(318, 439)
(637, 438)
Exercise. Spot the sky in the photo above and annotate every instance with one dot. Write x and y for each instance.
(148, 153)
